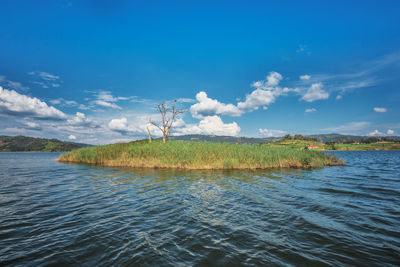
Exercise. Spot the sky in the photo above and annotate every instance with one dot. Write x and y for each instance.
(94, 71)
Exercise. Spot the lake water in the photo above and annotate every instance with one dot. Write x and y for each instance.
(61, 214)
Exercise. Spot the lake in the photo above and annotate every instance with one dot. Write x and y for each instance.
(54, 213)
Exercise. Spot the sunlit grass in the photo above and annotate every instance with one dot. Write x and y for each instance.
(192, 155)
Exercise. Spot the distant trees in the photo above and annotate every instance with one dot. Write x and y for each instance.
(331, 145)
(299, 137)
(168, 115)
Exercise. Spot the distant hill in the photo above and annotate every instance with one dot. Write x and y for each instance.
(323, 138)
(222, 139)
(340, 138)
(25, 144)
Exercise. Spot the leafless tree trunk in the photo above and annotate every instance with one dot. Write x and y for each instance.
(168, 115)
(148, 131)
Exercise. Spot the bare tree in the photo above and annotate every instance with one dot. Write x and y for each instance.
(168, 115)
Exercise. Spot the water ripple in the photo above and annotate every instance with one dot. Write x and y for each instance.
(60, 214)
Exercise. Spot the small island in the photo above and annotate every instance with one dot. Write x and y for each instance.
(199, 155)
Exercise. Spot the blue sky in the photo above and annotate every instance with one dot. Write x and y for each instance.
(93, 71)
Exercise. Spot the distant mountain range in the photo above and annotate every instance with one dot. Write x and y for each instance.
(25, 144)
(323, 138)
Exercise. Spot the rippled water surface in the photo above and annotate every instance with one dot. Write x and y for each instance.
(61, 214)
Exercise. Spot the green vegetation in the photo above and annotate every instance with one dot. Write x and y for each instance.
(309, 143)
(221, 139)
(323, 138)
(25, 144)
(194, 155)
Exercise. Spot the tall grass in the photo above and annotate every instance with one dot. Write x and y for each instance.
(191, 155)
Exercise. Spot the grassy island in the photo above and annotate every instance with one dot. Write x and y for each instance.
(192, 155)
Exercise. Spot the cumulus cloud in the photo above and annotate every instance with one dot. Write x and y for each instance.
(305, 77)
(265, 93)
(380, 110)
(119, 125)
(72, 137)
(209, 107)
(258, 98)
(309, 110)
(212, 125)
(80, 119)
(271, 133)
(315, 92)
(122, 126)
(390, 132)
(375, 133)
(338, 97)
(17, 104)
(273, 78)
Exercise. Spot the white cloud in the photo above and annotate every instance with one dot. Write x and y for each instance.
(315, 92)
(271, 133)
(266, 93)
(55, 101)
(32, 126)
(257, 98)
(81, 120)
(390, 132)
(14, 103)
(45, 79)
(119, 125)
(309, 110)
(349, 128)
(11, 84)
(209, 107)
(72, 137)
(186, 100)
(107, 104)
(64, 102)
(83, 107)
(211, 125)
(107, 96)
(273, 78)
(178, 123)
(122, 126)
(374, 133)
(380, 110)
(338, 97)
(305, 77)
(106, 99)
(44, 75)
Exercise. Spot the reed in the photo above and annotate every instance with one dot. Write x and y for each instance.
(192, 155)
